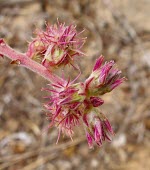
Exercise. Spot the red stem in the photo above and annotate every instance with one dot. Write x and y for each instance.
(25, 61)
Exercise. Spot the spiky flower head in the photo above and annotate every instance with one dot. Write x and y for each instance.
(56, 46)
(73, 104)
(104, 78)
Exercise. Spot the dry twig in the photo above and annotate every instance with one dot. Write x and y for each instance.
(11, 160)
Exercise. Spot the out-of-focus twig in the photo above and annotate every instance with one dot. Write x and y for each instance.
(121, 20)
(43, 5)
(124, 24)
(11, 160)
(40, 161)
(4, 3)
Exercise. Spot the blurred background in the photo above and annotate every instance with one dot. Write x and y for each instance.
(120, 30)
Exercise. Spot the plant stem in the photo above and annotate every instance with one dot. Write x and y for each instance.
(22, 60)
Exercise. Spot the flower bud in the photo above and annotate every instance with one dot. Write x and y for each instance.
(35, 49)
(89, 139)
(96, 101)
(103, 79)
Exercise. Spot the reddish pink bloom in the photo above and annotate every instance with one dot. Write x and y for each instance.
(98, 129)
(63, 106)
(56, 46)
(104, 78)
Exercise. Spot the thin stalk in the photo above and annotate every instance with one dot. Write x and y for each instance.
(23, 60)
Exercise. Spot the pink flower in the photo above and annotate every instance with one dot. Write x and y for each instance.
(56, 46)
(104, 78)
(64, 106)
(98, 129)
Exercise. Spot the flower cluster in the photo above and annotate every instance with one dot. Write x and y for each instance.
(72, 104)
(57, 45)
(69, 104)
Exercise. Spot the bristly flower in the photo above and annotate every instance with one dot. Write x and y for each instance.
(56, 46)
(104, 78)
(64, 103)
(73, 104)
(98, 128)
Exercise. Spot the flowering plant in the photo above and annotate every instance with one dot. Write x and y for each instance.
(69, 104)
